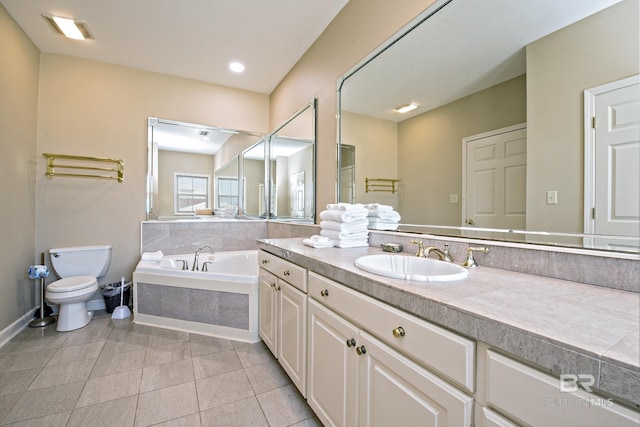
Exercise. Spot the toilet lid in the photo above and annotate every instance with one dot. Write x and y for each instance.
(69, 284)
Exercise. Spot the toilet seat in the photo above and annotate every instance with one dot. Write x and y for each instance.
(70, 284)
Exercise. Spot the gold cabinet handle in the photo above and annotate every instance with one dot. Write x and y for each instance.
(351, 342)
(324, 293)
(287, 273)
(398, 332)
(361, 350)
(265, 261)
(470, 221)
(273, 285)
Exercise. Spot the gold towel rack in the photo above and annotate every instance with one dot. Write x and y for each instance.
(381, 184)
(84, 163)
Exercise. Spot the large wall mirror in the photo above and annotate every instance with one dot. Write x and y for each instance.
(254, 191)
(291, 167)
(193, 169)
(501, 143)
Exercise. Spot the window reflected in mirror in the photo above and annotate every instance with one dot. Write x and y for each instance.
(193, 169)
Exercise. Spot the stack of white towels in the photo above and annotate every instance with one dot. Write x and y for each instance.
(345, 224)
(382, 217)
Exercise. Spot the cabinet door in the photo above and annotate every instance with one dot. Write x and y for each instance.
(268, 309)
(292, 334)
(332, 367)
(394, 390)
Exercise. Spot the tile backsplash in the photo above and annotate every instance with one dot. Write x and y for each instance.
(589, 267)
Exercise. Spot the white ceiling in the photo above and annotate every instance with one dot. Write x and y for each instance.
(465, 47)
(195, 39)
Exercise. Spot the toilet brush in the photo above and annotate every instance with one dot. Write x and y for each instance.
(122, 311)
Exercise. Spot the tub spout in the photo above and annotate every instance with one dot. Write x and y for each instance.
(197, 255)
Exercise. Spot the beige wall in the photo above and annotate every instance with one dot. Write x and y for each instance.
(19, 64)
(559, 68)
(96, 109)
(430, 149)
(376, 146)
(359, 28)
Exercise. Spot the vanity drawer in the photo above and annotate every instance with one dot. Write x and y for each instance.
(443, 351)
(536, 398)
(285, 270)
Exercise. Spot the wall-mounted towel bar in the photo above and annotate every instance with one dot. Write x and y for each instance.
(381, 184)
(84, 165)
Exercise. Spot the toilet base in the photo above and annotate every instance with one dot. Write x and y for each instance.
(73, 316)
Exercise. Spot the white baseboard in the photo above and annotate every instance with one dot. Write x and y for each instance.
(14, 329)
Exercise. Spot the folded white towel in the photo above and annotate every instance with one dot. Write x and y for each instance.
(378, 207)
(375, 220)
(381, 226)
(346, 235)
(352, 243)
(343, 216)
(388, 215)
(152, 256)
(319, 244)
(348, 207)
(318, 238)
(357, 224)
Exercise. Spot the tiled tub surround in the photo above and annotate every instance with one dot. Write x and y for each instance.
(557, 325)
(221, 302)
(226, 309)
(178, 237)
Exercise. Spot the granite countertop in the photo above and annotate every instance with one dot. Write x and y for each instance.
(558, 325)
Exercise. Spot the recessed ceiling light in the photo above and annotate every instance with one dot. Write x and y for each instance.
(405, 108)
(68, 27)
(236, 67)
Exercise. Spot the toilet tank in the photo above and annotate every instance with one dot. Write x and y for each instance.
(81, 260)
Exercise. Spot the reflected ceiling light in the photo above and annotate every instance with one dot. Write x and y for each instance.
(405, 108)
(68, 27)
(236, 67)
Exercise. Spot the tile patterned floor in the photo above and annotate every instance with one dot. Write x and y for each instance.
(116, 373)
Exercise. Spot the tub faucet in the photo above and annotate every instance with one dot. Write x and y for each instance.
(195, 259)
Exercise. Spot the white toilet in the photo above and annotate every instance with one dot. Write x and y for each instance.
(78, 268)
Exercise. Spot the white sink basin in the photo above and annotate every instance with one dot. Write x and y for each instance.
(411, 268)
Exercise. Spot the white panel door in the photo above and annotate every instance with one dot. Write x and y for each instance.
(617, 165)
(292, 334)
(495, 179)
(268, 310)
(394, 391)
(332, 373)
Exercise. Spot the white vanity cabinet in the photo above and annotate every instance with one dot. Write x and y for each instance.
(282, 323)
(535, 398)
(358, 376)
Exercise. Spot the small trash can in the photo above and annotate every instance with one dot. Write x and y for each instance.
(111, 294)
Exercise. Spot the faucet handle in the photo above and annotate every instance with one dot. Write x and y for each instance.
(447, 254)
(470, 262)
(420, 252)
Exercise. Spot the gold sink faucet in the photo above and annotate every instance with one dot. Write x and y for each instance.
(423, 252)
